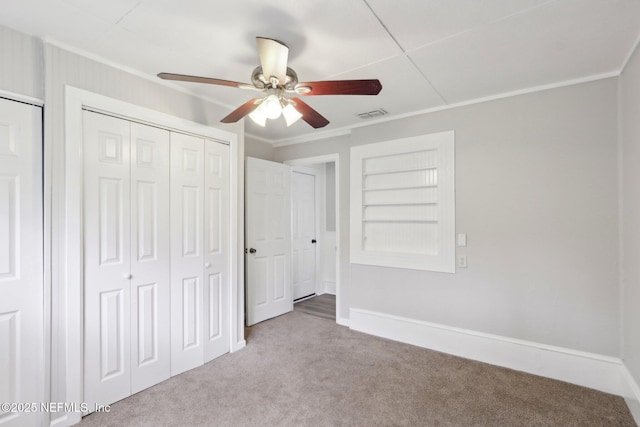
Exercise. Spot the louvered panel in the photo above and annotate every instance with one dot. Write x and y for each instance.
(406, 161)
(399, 212)
(403, 203)
(419, 238)
(401, 179)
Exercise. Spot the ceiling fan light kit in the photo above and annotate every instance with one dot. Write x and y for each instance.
(272, 107)
(291, 115)
(276, 80)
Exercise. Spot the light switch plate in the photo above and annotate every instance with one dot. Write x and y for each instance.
(462, 240)
(462, 261)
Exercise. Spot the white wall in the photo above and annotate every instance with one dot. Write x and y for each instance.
(536, 192)
(21, 71)
(630, 136)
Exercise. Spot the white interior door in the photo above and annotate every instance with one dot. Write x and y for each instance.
(150, 257)
(216, 235)
(21, 261)
(187, 259)
(107, 261)
(268, 240)
(304, 234)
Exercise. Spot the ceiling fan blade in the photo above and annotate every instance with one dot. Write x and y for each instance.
(241, 111)
(196, 79)
(309, 115)
(340, 87)
(273, 58)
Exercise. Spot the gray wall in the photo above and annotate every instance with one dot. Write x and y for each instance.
(630, 135)
(66, 68)
(330, 196)
(536, 192)
(21, 70)
(258, 149)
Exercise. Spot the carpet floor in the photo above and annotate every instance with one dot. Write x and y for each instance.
(321, 306)
(301, 370)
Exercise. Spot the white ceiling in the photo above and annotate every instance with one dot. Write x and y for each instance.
(426, 53)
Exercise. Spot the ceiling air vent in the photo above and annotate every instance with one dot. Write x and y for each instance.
(374, 113)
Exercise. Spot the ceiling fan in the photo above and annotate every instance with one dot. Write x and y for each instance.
(280, 87)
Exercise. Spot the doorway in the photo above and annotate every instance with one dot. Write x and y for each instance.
(318, 191)
(304, 228)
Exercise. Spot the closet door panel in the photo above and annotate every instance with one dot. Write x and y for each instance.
(187, 258)
(216, 253)
(150, 257)
(21, 262)
(107, 267)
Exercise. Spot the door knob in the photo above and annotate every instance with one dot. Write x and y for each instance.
(127, 276)
(313, 240)
(207, 265)
(252, 251)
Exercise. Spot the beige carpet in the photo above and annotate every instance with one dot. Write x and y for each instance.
(301, 370)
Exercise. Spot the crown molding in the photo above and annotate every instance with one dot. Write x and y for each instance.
(347, 129)
(47, 40)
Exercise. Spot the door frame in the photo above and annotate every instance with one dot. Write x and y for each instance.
(328, 158)
(67, 236)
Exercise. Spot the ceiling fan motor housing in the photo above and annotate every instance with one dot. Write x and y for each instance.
(261, 81)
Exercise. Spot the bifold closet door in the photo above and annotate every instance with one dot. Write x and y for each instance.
(127, 282)
(107, 261)
(150, 257)
(216, 232)
(187, 259)
(200, 284)
(21, 262)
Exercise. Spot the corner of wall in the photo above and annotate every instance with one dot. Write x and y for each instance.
(629, 204)
(632, 394)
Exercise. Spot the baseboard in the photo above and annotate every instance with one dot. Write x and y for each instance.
(342, 321)
(66, 420)
(238, 346)
(633, 394)
(591, 370)
(634, 408)
(329, 287)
